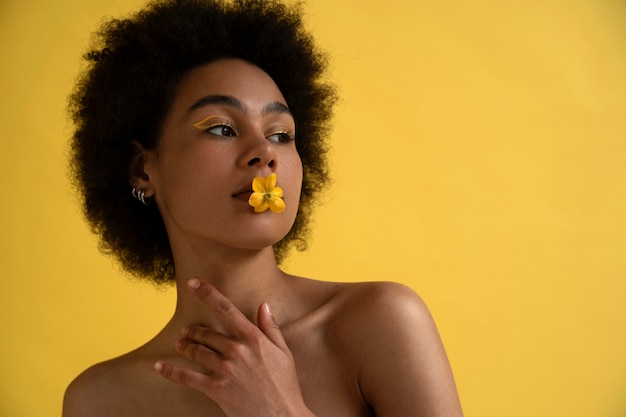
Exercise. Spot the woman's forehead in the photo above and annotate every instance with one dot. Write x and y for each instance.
(231, 82)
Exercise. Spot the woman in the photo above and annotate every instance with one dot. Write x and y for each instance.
(199, 149)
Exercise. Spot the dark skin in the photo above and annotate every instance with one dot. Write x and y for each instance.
(246, 339)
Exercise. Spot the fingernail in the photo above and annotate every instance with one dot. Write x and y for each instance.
(158, 366)
(267, 309)
(194, 283)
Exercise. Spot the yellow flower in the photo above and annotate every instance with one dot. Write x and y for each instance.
(266, 195)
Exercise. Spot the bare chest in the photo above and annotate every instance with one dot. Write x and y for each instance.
(328, 376)
(328, 382)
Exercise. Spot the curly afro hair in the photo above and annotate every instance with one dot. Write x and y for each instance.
(133, 70)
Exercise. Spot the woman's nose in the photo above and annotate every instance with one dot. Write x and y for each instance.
(260, 153)
(259, 161)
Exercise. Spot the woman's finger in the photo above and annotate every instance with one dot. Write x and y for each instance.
(269, 327)
(193, 379)
(206, 355)
(214, 340)
(234, 320)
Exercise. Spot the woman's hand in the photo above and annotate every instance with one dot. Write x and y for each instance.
(248, 371)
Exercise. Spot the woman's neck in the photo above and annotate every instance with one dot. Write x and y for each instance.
(246, 278)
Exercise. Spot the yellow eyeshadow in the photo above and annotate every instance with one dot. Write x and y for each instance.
(205, 123)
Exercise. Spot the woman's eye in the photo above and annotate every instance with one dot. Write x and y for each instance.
(221, 130)
(280, 137)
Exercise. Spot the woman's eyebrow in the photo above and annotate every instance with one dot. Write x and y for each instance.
(217, 99)
(234, 102)
(275, 107)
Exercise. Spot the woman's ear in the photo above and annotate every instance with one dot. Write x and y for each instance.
(138, 175)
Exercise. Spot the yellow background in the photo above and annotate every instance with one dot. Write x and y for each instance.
(479, 156)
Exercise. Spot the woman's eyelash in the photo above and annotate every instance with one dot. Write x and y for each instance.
(282, 136)
(223, 128)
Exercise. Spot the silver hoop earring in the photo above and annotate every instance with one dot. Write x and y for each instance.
(140, 194)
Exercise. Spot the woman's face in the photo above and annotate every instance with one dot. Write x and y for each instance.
(228, 124)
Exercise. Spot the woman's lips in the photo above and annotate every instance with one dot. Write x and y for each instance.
(243, 195)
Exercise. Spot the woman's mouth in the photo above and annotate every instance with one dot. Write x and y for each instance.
(243, 195)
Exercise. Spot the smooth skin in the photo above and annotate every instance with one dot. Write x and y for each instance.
(246, 339)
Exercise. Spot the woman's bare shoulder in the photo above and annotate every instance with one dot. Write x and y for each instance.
(96, 391)
(379, 302)
(91, 392)
(358, 314)
(384, 315)
(388, 333)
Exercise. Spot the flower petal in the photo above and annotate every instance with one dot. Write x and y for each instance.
(277, 205)
(258, 185)
(262, 207)
(270, 182)
(256, 199)
(277, 192)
